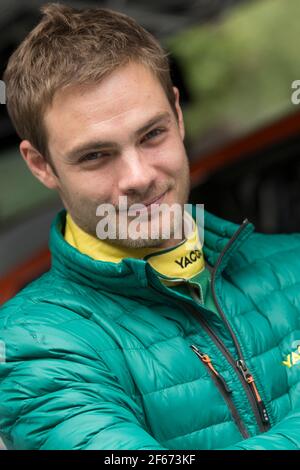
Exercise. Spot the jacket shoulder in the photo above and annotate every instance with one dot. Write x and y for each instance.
(51, 307)
(265, 263)
(279, 248)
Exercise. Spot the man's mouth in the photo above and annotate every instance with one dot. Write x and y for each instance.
(144, 207)
(156, 200)
(153, 204)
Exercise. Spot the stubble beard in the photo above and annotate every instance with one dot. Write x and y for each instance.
(88, 220)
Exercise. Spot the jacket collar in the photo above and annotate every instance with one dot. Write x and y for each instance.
(132, 277)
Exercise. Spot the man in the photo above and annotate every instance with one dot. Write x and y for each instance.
(137, 342)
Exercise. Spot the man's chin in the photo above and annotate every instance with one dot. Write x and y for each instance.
(150, 229)
(137, 243)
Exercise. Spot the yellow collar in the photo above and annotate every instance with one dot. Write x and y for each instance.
(184, 260)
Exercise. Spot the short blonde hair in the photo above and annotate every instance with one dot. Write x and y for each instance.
(69, 47)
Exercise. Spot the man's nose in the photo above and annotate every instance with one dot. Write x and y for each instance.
(136, 173)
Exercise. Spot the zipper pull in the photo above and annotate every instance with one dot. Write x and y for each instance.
(248, 377)
(207, 360)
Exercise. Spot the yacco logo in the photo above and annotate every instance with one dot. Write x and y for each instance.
(2, 92)
(2, 352)
(157, 221)
(294, 357)
(184, 261)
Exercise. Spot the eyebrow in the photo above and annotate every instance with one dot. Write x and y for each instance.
(101, 144)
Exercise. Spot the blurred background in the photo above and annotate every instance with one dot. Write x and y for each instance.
(234, 62)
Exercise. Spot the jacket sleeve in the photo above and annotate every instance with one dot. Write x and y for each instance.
(57, 393)
(283, 436)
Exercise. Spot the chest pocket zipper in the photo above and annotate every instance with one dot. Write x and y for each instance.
(223, 389)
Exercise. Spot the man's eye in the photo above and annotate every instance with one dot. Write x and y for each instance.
(94, 156)
(152, 134)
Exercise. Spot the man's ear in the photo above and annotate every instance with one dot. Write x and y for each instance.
(179, 113)
(38, 165)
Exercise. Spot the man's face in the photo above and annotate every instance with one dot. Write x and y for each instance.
(117, 138)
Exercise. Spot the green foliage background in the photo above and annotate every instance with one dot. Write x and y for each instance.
(239, 71)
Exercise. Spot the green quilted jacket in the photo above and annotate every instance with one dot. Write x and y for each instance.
(97, 355)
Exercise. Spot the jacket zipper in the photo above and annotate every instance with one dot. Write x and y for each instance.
(257, 404)
(239, 366)
(223, 388)
(248, 377)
